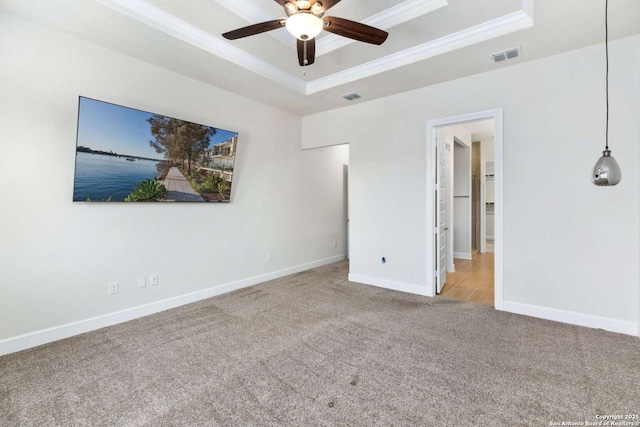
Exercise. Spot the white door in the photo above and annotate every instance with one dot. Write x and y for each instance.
(441, 213)
(345, 169)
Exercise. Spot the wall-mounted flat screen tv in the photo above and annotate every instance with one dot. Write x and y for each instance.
(128, 155)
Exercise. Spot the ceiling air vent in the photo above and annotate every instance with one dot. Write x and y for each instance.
(351, 96)
(506, 54)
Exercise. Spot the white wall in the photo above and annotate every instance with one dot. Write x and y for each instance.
(571, 249)
(57, 257)
(487, 150)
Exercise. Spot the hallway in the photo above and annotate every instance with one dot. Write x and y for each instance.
(472, 281)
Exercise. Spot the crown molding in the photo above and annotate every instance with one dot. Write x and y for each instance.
(169, 24)
(249, 11)
(495, 28)
(150, 15)
(389, 18)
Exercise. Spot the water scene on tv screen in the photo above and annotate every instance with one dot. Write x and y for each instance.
(128, 155)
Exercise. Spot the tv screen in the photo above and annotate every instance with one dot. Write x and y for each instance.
(128, 155)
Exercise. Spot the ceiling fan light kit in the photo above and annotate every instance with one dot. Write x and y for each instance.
(305, 20)
(304, 26)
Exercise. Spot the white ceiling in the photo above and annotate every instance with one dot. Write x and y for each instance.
(430, 41)
(481, 130)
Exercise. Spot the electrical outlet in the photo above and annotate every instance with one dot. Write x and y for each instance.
(142, 282)
(113, 288)
(153, 279)
(269, 256)
(335, 244)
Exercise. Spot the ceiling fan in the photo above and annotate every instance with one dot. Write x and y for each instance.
(305, 20)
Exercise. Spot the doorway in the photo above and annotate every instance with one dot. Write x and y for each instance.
(466, 259)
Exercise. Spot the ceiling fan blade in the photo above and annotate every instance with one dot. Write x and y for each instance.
(326, 4)
(309, 55)
(354, 30)
(254, 29)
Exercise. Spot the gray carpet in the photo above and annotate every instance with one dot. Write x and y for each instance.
(315, 350)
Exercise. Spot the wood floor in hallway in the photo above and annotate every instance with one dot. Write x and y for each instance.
(472, 281)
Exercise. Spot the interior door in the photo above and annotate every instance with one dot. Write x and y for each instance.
(441, 213)
(345, 172)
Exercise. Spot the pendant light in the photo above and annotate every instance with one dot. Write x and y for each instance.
(606, 171)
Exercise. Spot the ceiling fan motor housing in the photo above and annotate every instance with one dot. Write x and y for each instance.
(304, 6)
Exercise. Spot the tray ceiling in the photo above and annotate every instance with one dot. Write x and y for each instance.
(430, 41)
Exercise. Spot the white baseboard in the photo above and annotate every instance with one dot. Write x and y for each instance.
(389, 284)
(44, 336)
(462, 255)
(573, 318)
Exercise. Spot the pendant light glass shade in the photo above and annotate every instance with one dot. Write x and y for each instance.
(606, 171)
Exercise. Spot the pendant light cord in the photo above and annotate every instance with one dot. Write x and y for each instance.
(606, 47)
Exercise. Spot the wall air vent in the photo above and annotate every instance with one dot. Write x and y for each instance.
(351, 96)
(506, 54)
